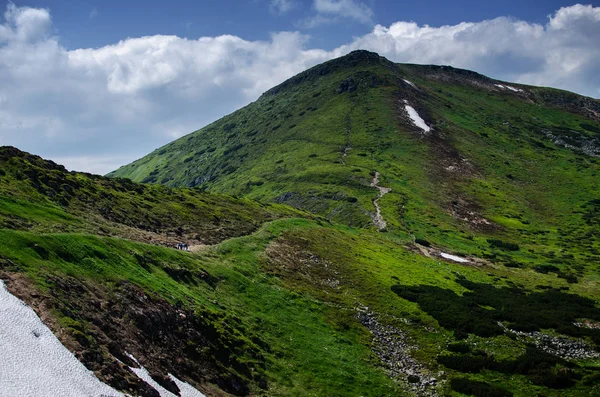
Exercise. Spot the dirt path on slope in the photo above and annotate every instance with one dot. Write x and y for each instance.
(378, 220)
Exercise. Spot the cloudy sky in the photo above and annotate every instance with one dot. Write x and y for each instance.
(96, 84)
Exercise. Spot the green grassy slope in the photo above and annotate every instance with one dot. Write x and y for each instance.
(517, 164)
(294, 307)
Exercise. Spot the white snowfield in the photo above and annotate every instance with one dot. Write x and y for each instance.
(34, 363)
(453, 257)
(185, 389)
(416, 119)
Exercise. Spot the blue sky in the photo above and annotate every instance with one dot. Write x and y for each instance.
(83, 24)
(96, 84)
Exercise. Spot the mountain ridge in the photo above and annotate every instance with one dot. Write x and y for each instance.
(315, 142)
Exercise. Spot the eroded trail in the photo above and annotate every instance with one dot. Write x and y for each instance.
(378, 220)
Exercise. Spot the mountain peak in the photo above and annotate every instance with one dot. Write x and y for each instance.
(354, 59)
(316, 140)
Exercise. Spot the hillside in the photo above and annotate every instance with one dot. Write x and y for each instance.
(501, 161)
(364, 228)
(297, 306)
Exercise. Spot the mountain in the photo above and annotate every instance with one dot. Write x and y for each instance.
(484, 158)
(365, 228)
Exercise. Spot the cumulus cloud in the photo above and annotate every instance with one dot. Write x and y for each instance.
(563, 53)
(97, 108)
(329, 11)
(112, 104)
(280, 7)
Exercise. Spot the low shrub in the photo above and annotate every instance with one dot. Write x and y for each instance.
(503, 245)
(477, 388)
(423, 242)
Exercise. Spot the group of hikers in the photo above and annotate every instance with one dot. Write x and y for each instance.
(183, 247)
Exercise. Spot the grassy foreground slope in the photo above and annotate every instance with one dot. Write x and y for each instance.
(503, 165)
(296, 307)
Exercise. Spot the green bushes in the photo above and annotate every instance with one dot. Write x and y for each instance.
(541, 368)
(228, 127)
(232, 149)
(476, 388)
(522, 310)
(503, 244)
(459, 347)
(545, 269)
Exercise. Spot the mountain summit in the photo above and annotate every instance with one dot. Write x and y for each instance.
(413, 149)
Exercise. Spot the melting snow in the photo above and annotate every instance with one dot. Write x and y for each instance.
(508, 87)
(453, 257)
(410, 83)
(185, 389)
(416, 119)
(33, 361)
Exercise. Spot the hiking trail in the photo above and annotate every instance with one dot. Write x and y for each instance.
(378, 220)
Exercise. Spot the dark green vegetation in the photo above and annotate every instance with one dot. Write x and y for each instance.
(475, 388)
(542, 368)
(480, 309)
(291, 290)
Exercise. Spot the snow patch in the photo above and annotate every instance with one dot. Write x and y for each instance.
(416, 119)
(185, 389)
(453, 257)
(34, 362)
(507, 87)
(410, 83)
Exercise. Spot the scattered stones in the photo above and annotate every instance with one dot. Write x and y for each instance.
(575, 141)
(587, 324)
(348, 85)
(378, 220)
(392, 348)
(563, 347)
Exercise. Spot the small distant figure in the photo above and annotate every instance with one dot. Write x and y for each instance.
(183, 247)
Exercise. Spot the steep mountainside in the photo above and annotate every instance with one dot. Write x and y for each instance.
(481, 160)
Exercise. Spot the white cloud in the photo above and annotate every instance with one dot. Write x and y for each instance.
(97, 108)
(281, 7)
(329, 11)
(345, 8)
(24, 23)
(563, 53)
